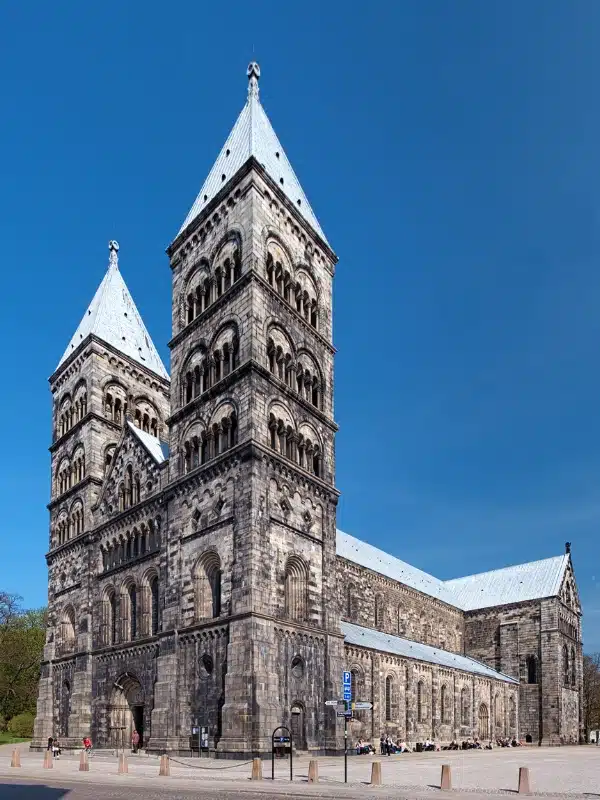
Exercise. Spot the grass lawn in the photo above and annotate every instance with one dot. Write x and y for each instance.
(8, 738)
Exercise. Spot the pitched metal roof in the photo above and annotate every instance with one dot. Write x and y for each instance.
(371, 557)
(113, 317)
(253, 135)
(530, 581)
(157, 449)
(375, 640)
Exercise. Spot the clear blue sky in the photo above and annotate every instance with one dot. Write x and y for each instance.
(451, 153)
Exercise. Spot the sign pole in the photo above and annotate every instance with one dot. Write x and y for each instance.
(345, 749)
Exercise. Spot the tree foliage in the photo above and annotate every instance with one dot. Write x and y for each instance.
(591, 692)
(21, 725)
(22, 636)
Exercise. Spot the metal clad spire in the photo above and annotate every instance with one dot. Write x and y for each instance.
(253, 135)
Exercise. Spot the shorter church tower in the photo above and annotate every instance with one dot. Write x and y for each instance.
(109, 375)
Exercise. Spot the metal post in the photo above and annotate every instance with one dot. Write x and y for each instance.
(291, 754)
(345, 749)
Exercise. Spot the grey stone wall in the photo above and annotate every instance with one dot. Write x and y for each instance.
(414, 701)
(374, 601)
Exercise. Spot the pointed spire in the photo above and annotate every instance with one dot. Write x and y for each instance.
(253, 135)
(113, 317)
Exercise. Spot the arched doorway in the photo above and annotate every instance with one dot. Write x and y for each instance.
(298, 727)
(126, 712)
(483, 730)
(65, 708)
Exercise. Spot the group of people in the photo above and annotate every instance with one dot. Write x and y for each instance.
(388, 747)
(364, 748)
(507, 742)
(475, 744)
(54, 744)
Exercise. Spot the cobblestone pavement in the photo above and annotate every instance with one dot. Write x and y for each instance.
(553, 772)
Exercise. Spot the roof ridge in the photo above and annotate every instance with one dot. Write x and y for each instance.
(504, 569)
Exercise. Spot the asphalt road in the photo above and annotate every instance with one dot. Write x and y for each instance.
(30, 789)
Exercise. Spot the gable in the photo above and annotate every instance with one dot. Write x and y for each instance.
(134, 473)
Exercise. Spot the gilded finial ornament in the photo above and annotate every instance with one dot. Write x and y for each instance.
(253, 73)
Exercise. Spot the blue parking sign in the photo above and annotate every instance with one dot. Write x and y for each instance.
(347, 685)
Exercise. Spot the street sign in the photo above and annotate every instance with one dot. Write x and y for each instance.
(346, 714)
(347, 685)
(331, 702)
(362, 704)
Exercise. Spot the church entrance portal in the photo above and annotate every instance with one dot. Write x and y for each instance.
(298, 733)
(126, 712)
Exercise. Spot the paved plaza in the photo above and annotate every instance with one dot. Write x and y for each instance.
(573, 771)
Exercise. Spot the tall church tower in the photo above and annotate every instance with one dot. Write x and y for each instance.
(252, 461)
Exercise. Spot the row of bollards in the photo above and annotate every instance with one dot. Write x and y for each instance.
(376, 780)
(84, 763)
(524, 786)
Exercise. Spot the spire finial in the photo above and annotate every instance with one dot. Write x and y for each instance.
(113, 248)
(567, 547)
(253, 73)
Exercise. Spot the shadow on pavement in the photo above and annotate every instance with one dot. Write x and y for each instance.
(31, 791)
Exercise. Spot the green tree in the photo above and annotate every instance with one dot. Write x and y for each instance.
(22, 636)
(21, 725)
(591, 692)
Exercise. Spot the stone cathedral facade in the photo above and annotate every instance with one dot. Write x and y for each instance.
(196, 575)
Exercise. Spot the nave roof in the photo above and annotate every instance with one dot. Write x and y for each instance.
(406, 648)
(516, 584)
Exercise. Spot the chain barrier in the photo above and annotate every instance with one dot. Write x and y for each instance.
(199, 766)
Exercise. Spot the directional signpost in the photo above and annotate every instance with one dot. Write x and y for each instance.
(344, 708)
(347, 693)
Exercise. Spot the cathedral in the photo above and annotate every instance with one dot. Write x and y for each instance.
(199, 590)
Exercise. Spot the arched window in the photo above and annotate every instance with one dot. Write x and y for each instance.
(444, 705)
(565, 665)
(354, 687)
(108, 457)
(207, 586)
(531, 662)
(484, 722)
(573, 668)
(420, 702)
(128, 486)
(512, 714)
(464, 706)
(132, 611)
(388, 698)
(401, 621)
(154, 606)
(379, 611)
(67, 629)
(109, 618)
(497, 712)
(296, 586)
